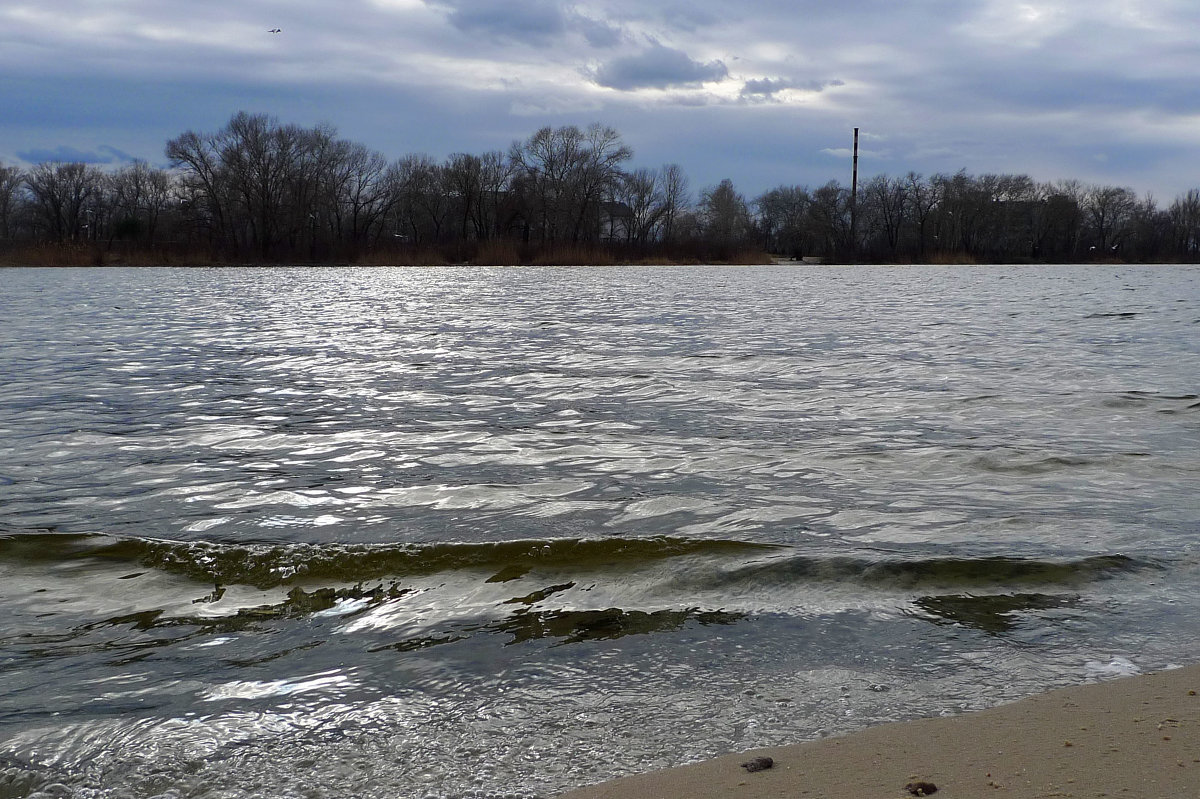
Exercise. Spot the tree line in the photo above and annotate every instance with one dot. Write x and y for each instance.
(261, 190)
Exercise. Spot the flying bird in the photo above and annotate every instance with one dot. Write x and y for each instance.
(275, 30)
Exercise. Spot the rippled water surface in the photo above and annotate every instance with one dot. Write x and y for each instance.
(474, 532)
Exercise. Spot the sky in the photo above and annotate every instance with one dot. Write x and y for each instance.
(764, 92)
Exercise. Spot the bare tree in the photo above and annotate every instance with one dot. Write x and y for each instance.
(886, 206)
(675, 197)
(61, 193)
(423, 202)
(1065, 208)
(782, 214)
(600, 176)
(140, 195)
(260, 156)
(829, 216)
(1109, 209)
(358, 193)
(1184, 214)
(11, 181)
(258, 186)
(923, 198)
(204, 183)
(274, 189)
(1149, 232)
(725, 214)
(641, 191)
(564, 174)
(495, 177)
(545, 165)
(464, 179)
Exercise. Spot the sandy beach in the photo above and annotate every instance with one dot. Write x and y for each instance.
(1136, 737)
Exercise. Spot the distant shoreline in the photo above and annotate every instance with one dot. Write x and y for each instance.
(67, 256)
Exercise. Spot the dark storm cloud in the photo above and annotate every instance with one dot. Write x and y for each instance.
(515, 20)
(766, 88)
(658, 67)
(1093, 89)
(103, 154)
(598, 33)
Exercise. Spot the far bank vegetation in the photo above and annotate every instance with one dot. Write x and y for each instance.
(259, 191)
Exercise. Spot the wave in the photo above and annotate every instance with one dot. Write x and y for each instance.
(661, 584)
(991, 613)
(574, 626)
(273, 565)
(926, 574)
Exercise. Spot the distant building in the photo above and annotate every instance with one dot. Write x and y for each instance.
(615, 221)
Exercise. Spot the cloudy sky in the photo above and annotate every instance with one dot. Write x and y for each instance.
(765, 92)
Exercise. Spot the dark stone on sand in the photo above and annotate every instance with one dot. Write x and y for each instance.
(921, 788)
(758, 764)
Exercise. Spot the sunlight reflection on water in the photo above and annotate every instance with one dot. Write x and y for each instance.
(452, 532)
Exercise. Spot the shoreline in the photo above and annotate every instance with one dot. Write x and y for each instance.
(1133, 737)
(799, 265)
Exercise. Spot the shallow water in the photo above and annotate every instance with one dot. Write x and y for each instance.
(474, 532)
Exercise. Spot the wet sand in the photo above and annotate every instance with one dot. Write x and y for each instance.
(1137, 737)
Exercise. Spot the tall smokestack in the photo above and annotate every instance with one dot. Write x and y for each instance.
(854, 197)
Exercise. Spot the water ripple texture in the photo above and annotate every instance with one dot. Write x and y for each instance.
(471, 532)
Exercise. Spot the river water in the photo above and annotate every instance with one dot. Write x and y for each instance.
(500, 532)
